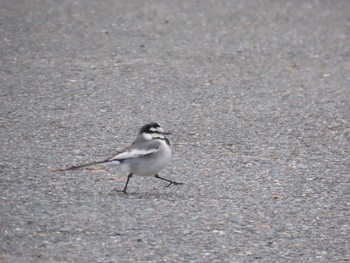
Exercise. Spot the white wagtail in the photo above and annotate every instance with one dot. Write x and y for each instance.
(146, 156)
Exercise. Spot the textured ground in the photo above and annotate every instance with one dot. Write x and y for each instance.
(256, 93)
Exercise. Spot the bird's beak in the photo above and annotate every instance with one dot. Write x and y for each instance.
(167, 133)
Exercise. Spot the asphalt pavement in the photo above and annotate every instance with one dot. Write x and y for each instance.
(256, 94)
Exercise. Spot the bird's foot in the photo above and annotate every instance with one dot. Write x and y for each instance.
(174, 183)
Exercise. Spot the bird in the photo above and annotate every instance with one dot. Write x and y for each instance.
(146, 156)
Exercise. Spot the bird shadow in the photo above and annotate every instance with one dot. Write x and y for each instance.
(148, 195)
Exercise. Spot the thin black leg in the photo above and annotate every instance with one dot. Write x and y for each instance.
(126, 185)
(167, 180)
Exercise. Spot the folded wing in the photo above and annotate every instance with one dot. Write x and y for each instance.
(146, 150)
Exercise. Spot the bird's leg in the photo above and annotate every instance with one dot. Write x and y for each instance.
(167, 180)
(126, 185)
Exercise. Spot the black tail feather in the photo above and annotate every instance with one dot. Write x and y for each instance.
(80, 166)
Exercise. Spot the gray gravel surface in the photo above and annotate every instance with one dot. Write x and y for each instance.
(256, 94)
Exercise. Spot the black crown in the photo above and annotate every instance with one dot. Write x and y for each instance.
(147, 127)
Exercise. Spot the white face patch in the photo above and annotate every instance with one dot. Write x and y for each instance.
(158, 130)
(147, 136)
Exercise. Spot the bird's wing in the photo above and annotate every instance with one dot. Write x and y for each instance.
(136, 150)
(145, 149)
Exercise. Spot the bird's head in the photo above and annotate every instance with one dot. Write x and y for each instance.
(152, 131)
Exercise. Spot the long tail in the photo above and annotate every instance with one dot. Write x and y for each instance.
(80, 166)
